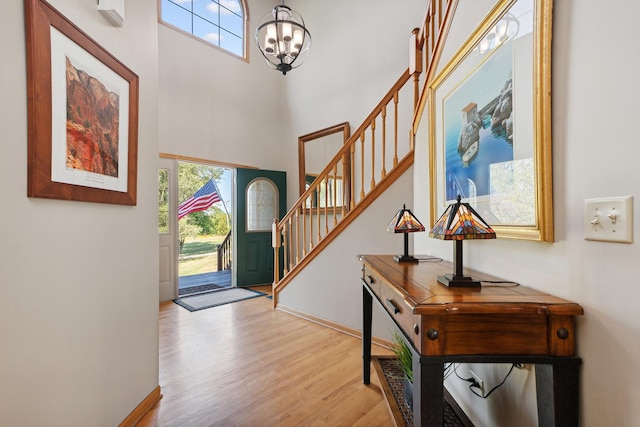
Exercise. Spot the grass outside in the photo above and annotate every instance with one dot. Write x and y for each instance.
(199, 255)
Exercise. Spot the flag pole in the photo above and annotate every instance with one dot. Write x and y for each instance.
(224, 205)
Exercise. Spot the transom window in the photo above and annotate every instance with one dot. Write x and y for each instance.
(218, 22)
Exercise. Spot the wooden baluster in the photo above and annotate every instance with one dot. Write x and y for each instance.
(432, 26)
(384, 140)
(362, 168)
(289, 237)
(373, 153)
(344, 190)
(426, 53)
(334, 188)
(326, 205)
(287, 251)
(352, 173)
(318, 208)
(304, 228)
(412, 139)
(297, 238)
(395, 130)
(276, 244)
(311, 220)
(436, 19)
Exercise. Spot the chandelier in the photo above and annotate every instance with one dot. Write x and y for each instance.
(283, 39)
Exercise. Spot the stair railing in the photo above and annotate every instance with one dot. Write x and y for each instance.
(371, 159)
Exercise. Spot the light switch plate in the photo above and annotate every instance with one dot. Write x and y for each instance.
(609, 219)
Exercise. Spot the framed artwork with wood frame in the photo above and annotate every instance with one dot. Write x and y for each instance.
(490, 123)
(82, 114)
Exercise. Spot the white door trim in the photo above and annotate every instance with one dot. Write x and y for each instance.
(169, 241)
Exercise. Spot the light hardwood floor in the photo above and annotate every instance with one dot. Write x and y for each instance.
(246, 364)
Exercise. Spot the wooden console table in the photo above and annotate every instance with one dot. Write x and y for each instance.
(492, 324)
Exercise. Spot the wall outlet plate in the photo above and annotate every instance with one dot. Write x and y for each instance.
(479, 380)
(609, 219)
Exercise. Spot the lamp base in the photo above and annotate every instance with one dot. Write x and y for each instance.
(453, 281)
(405, 258)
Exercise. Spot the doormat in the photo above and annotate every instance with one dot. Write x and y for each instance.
(216, 298)
(389, 370)
(199, 289)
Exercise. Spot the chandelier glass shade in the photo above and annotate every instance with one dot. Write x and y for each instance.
(283, 39)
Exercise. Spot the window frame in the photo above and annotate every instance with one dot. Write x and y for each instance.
(245, 23)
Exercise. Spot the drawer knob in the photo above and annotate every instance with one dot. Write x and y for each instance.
(562, 333)
(416, 329)
(371, 279)
(432, 334)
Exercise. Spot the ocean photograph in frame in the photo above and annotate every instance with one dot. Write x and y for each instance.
(82, 114)
(478, 127)
(500, 81)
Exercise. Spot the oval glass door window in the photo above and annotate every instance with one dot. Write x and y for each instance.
(262, 204)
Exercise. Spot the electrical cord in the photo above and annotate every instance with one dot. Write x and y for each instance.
(499, 284)
(474, 384)
(448, 370)
(471, 380)
(496, 387)
(430, 259)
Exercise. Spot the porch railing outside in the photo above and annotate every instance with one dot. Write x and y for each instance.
(224, 253)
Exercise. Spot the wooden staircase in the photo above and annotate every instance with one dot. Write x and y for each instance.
(369, 162)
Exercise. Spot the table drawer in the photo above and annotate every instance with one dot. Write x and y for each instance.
(496, 334)
(394, 303)
(401, 312)
(370, 278)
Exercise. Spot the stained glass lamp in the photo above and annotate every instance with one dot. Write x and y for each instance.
(405, 222)
(460, 222)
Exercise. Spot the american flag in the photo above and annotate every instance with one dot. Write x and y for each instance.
(201, 200)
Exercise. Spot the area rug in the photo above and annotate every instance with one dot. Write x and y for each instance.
(216, 298)
(389, 370)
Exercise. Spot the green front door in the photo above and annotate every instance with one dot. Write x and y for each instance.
(261, 198)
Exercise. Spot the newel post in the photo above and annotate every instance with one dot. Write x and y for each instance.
(276, 242)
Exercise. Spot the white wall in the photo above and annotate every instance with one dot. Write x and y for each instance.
(207, 99)
(217, 107)
(359, 49)
(594, 153)
(594, 156)
(78, 281)
(329, 288)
